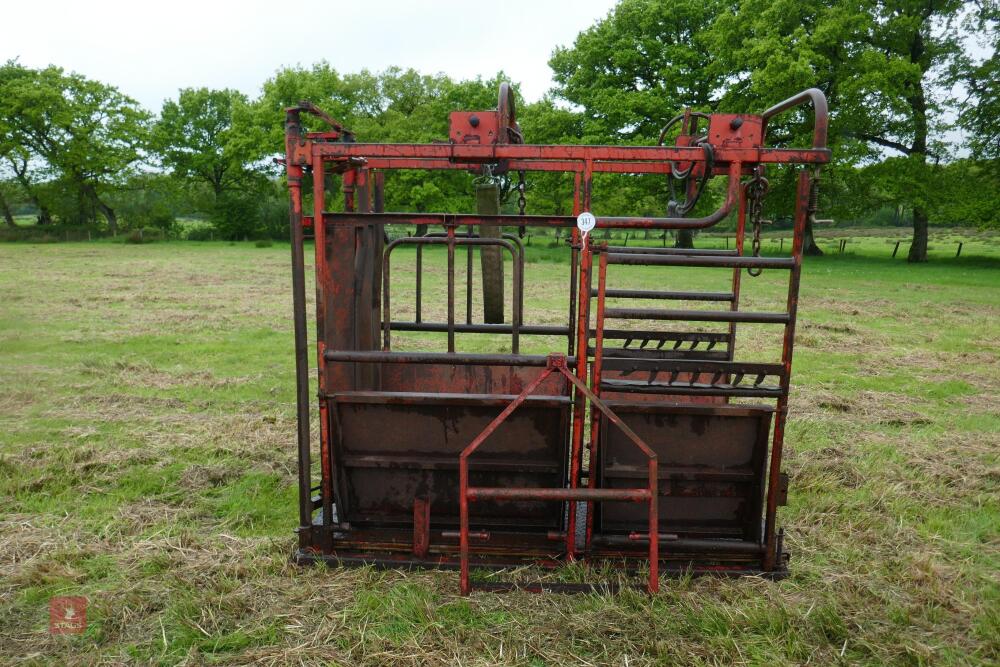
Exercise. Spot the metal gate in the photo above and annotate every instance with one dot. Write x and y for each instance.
(643, 443)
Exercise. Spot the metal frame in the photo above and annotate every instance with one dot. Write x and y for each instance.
(355, 328)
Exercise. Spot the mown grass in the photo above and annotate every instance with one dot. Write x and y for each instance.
(147, 463)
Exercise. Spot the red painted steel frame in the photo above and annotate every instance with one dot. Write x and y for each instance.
(737, 150)
(648, 495)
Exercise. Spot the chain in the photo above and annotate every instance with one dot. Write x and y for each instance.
(756, 190)
(521, 200)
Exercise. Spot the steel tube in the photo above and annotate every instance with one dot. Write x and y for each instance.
(669, 296)
(781, 409)
(691, 389)
(696, 315)
(684, 260)
(440, 327)
(821, 113)
(480, 493)
(293, 172)
(486, 153)
(458, 358)
(691, 252)
(685, 544)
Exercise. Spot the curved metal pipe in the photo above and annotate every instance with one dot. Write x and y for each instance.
(820, 108)
(516, 254)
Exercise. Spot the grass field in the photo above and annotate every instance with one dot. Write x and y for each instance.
(147, 462)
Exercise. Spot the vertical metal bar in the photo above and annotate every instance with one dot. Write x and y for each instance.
(741, 221)
(463, 525)
(654, 526)
(468, 278)
(379, 177)
(515, 327)
(386, 312)
(420, 279)
(293, 171)
(595, 387)
(463, 474)
(781, 409)
(421, 527)
(574, 258)
(451, 288)
(348, 188)
(579, 405)
(322, 281)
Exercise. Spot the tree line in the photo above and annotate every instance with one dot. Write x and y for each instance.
(913, 87)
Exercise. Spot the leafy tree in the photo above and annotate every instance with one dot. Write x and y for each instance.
(8, 198)
(392, 106)
(15, 158)
(194, 139)
(637, 68)
(149, 200)
(880, 63)
(84, 132)
(980, 109)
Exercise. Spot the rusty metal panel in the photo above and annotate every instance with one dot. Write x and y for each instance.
(395, 447)
(711, 466)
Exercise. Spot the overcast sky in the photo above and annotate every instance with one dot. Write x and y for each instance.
(150, 49)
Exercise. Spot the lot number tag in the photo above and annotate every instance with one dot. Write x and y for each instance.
(585, 222)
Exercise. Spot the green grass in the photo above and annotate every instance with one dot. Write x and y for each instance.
(147, 462)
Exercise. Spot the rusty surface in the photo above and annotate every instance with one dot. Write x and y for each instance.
(620, 433)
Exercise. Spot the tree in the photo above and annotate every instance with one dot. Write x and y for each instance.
(638, 67)
(880, 63)
(82, 131)
(980, 109)
(15, 157)
(392, 106)
(194, 139)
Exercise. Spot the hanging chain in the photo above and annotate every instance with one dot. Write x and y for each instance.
(521, 200)
(756, 191)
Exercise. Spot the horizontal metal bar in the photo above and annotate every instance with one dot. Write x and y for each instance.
(437, 327)
(568, 221)
(441, 398)
(474, 153)
(695, 315)
(683, 336)
(680, 474)
(716, 409)
(686, 260)
(691, 389)
(718, 354)
(690, 252)
(483, 535)
(460, 358)
(429, 462)
(669, 542)
(672, 296)
(545, 494)
(699, 366)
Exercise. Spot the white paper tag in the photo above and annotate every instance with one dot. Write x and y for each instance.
(586, 222)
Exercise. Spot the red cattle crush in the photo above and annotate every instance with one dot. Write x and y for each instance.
(621, 445)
